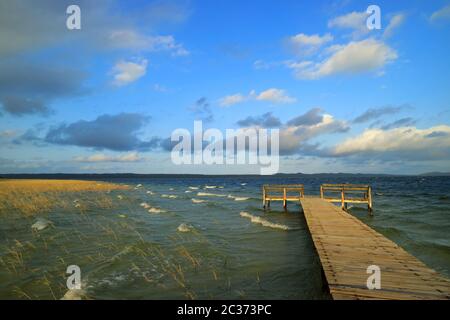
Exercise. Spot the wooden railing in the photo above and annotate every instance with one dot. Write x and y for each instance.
(347, 193)
(282, 192)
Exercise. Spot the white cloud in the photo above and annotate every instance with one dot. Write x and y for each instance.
(355, 21)
(127, 72)
(354, 57)
(131, 39)
(307, 44)
(428, 143)
(441, 14)
(274, 95)
(100, 157)
(232, 99)
(294, 138)
(394, 23)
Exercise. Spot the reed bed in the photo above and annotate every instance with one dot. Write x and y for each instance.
(30, 197)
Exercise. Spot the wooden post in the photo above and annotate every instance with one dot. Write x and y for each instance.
(264, 197)
(342, 199)
(321, 191)
(370, 200)
(284, 198)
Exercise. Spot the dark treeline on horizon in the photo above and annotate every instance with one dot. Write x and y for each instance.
(143, 176)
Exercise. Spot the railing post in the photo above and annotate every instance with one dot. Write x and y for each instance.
(342, 199)
(369, 205)
(284, 198)
(321, 191)
(264, 196)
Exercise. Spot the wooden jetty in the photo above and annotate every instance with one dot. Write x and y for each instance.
(347, 248)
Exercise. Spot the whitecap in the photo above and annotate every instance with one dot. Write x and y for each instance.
(185, 228)
(120, 197)
(263, 222)
(210, 187)
(150, 193)
(198, 201)
(41, 224)
(237, 198)
(170, 196)
(145, 205)
(206, 194)
(156, 210)
(193, 188)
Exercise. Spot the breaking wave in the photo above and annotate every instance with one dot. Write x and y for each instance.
(170, 196)
(206, 194)
(238, 198)
(156, 210)
(198, 201)
(185, 228)
(265, 223)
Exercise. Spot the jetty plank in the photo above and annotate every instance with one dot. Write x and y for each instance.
(346, 247)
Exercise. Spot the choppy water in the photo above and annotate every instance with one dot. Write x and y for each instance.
(207, 238)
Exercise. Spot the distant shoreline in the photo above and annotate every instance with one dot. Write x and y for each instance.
(72, 176)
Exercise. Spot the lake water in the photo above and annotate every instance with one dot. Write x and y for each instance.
(206, 248)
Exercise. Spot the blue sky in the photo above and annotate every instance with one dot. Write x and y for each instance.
(105, 98)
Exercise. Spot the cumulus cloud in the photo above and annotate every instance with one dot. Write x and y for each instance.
(312, 117)
(267, 120)
(27, 34)
(352, 58)
(404, 142)
(297, 133)
(22, 29)
(307, 44)
(29, 89)
(101, 157)
(441, 14)
(126, 72)
(19, 106)
(44, 27)
(296, 138)
(114, 132)
(273, 95)
(355, 21)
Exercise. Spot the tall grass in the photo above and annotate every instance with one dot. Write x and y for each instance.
(30, 197)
